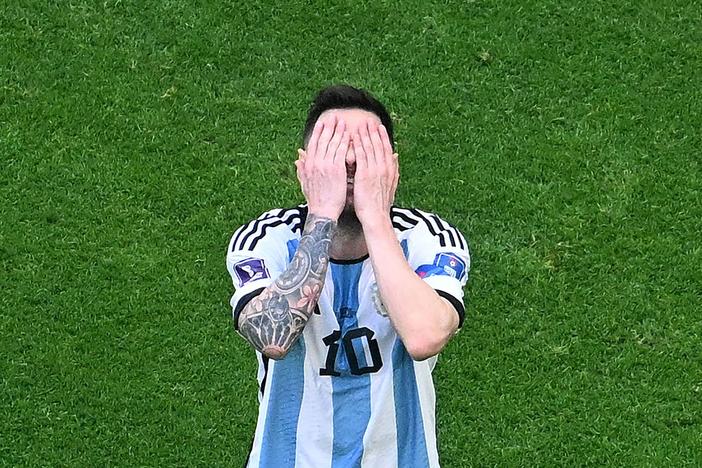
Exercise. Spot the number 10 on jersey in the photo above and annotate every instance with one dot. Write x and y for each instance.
(358, 335)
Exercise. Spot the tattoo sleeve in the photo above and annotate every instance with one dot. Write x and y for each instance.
(274, 319)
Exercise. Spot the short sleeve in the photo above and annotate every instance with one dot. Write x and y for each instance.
(439, 254)
(257, 254)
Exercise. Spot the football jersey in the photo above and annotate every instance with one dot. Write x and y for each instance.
(347, 394)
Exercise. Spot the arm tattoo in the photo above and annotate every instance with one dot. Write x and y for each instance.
(274, 319)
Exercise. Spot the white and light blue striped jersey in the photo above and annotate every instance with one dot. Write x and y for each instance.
(347, 394)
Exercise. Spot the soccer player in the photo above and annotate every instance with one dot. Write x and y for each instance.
(347, 300)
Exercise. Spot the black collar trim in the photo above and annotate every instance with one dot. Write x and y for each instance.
(349, 262)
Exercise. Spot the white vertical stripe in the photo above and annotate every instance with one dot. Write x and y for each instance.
(255, 456)
(427, 401)
(314, 428)
(380, 439)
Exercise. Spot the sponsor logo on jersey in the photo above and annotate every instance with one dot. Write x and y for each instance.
(445, 264)
(251, 269)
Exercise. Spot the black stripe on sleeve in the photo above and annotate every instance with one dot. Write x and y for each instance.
(461, 240)
(445, 230)
(433, 232)
(456, 304)
(242, 303)
(235, 237)
(446, 233)
(248, 229)
(259, 230)
(287, 216)
(405, 216)
(261, 234)
(401, 224)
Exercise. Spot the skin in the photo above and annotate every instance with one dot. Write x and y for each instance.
(349, 174)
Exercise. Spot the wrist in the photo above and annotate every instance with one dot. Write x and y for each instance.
(377, 224)
(323, 213)
(384, 247)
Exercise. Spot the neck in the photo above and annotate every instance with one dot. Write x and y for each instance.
(348, 242)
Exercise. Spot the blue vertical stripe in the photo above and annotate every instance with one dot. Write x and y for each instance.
(285, 400)
(411, 441)
(350, 393)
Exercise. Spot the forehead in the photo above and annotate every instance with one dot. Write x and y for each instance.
(352, 117)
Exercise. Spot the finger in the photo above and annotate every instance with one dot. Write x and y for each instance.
(314, 138)
(343, 148)
(301, 159)
(324, 137)
(299, 166)
(367, 145)
(361, 159)
(387, 144)
(301, 163)
(391, 162)
(336, 140)
(394, 178)
(396, 173)
(377, 143)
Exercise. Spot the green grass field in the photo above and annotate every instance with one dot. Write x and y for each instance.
(563, 138)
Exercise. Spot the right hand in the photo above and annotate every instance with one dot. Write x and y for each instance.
(321, 169)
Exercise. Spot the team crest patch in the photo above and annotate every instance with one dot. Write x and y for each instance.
(378, 301)
(250, 269)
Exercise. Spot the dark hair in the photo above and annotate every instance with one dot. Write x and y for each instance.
(345, 97)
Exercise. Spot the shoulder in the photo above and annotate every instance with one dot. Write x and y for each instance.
(412, 221)
(289, 220)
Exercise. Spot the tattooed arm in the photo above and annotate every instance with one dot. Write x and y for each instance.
(274, 319)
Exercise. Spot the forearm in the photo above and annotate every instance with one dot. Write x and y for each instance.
(274, 319)
(423, 319)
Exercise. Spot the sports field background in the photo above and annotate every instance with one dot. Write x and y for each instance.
(562, 138)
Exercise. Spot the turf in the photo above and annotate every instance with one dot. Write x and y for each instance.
(563, 138)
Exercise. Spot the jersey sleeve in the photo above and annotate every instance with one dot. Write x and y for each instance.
(256, 256)
(439, 254)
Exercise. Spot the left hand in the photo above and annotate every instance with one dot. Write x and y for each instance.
(377, 173)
